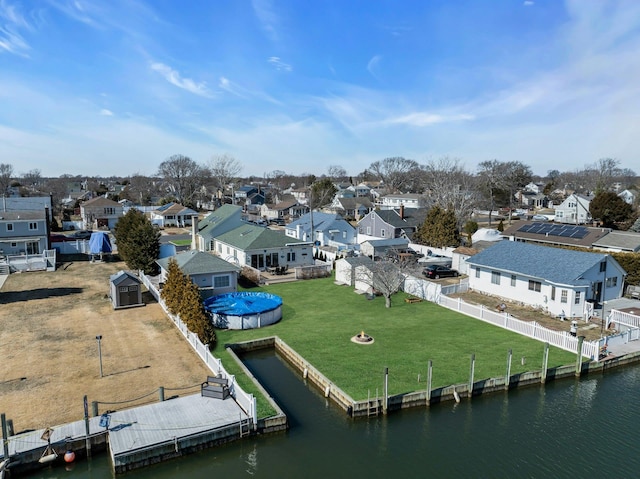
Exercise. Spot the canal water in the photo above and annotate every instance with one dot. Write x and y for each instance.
(565, 429)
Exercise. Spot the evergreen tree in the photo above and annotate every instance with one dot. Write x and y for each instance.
(609, 208)
(439, 229)
(138, 241)
(173, 289)
(500, 226)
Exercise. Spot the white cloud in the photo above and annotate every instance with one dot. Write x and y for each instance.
(105, 112)
(372, 65)
(528, 3)
(11, 21)
(279, 64)
(426, 119)
(173, 77)
(267, 17)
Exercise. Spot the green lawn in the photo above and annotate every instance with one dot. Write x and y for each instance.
(319, 319)
(181, 242)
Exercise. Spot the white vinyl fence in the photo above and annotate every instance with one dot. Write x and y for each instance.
(434, 292)
(245, 401)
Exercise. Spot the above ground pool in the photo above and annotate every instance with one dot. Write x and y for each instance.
(244, 310)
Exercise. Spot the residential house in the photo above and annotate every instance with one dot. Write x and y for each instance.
(210, 273)
(23, 232)
(574, 210)
(278, 211)
(461, 254)
(554, 233)
(630, 196)
(323, 229)
(27, 203)
(400, 223)
(531, 199)
(301, 194)
(619, 242)
(172, 215)
(408, 200)
(100, 212)
(263, 248)
(242, 193)
(216, 223)
(351, 208)
(566, 283)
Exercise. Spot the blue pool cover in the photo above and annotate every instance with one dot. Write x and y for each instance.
(241, 304)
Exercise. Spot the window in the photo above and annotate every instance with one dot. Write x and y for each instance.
(535, 286)
(219, 247)
(344, 235)
(477, 272)
(221, 281)
(109, 211)
(563, 296)
(577, 300)
(33, 226)
(603, 266)
(291, 257)
(513, 280)
(382, 232)
(612, 282)
(495, 277)
(553, 293)
(9, 226)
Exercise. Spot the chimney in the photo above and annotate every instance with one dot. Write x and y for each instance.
(401, 211)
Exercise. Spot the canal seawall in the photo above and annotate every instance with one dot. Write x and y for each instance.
(427, 397)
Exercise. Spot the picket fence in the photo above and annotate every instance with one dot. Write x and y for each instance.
(245, 400)
(436, 293)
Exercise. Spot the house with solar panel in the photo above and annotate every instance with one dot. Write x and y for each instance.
(562, 282)
(216, 223)
(557, 234)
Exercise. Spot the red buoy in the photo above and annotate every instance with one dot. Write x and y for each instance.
(69, 456)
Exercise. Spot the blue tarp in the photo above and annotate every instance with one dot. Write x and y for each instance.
(99, 243)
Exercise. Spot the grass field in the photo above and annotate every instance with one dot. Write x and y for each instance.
(319, 319)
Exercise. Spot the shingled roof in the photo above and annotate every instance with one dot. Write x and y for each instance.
(556, 265)
(198, 262)
(250, 237)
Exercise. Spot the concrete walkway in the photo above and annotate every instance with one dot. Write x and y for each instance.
(3, 278)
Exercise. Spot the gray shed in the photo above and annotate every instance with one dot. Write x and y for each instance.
(126, 290)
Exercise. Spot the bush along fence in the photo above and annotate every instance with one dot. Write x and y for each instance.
(245, 400)
(561, 339)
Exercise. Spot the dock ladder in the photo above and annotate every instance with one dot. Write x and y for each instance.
(245, 426)
(373, 404)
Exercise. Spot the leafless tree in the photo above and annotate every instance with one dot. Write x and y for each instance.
(450, 186)
(396, 173)
(384, 277)
(32, 179)
(336, 172)
(183, 177)
(6, 174)
(224, 170)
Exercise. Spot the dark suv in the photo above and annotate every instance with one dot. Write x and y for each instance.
(436, 271)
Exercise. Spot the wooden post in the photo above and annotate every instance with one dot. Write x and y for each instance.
(471, 373)
(429, 378)
(507, 378)
(579, 356)
(94, 408)
(5, 438)
(161, 393)
(385, 403)
(86, 426)
(545, 363)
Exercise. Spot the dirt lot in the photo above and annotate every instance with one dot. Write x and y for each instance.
(591, 331)
(49, 352)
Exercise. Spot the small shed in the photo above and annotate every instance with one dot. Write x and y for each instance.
(126, 290)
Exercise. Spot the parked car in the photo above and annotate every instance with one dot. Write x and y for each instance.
(539, 218)
(436, 271)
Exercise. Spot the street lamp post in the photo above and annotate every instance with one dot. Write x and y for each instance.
(99, 338)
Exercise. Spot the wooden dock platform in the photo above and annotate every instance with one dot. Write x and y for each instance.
(139, 436)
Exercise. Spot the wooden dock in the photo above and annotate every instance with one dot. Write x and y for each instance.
(139, 436)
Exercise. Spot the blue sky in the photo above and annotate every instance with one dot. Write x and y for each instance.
(96, 87)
